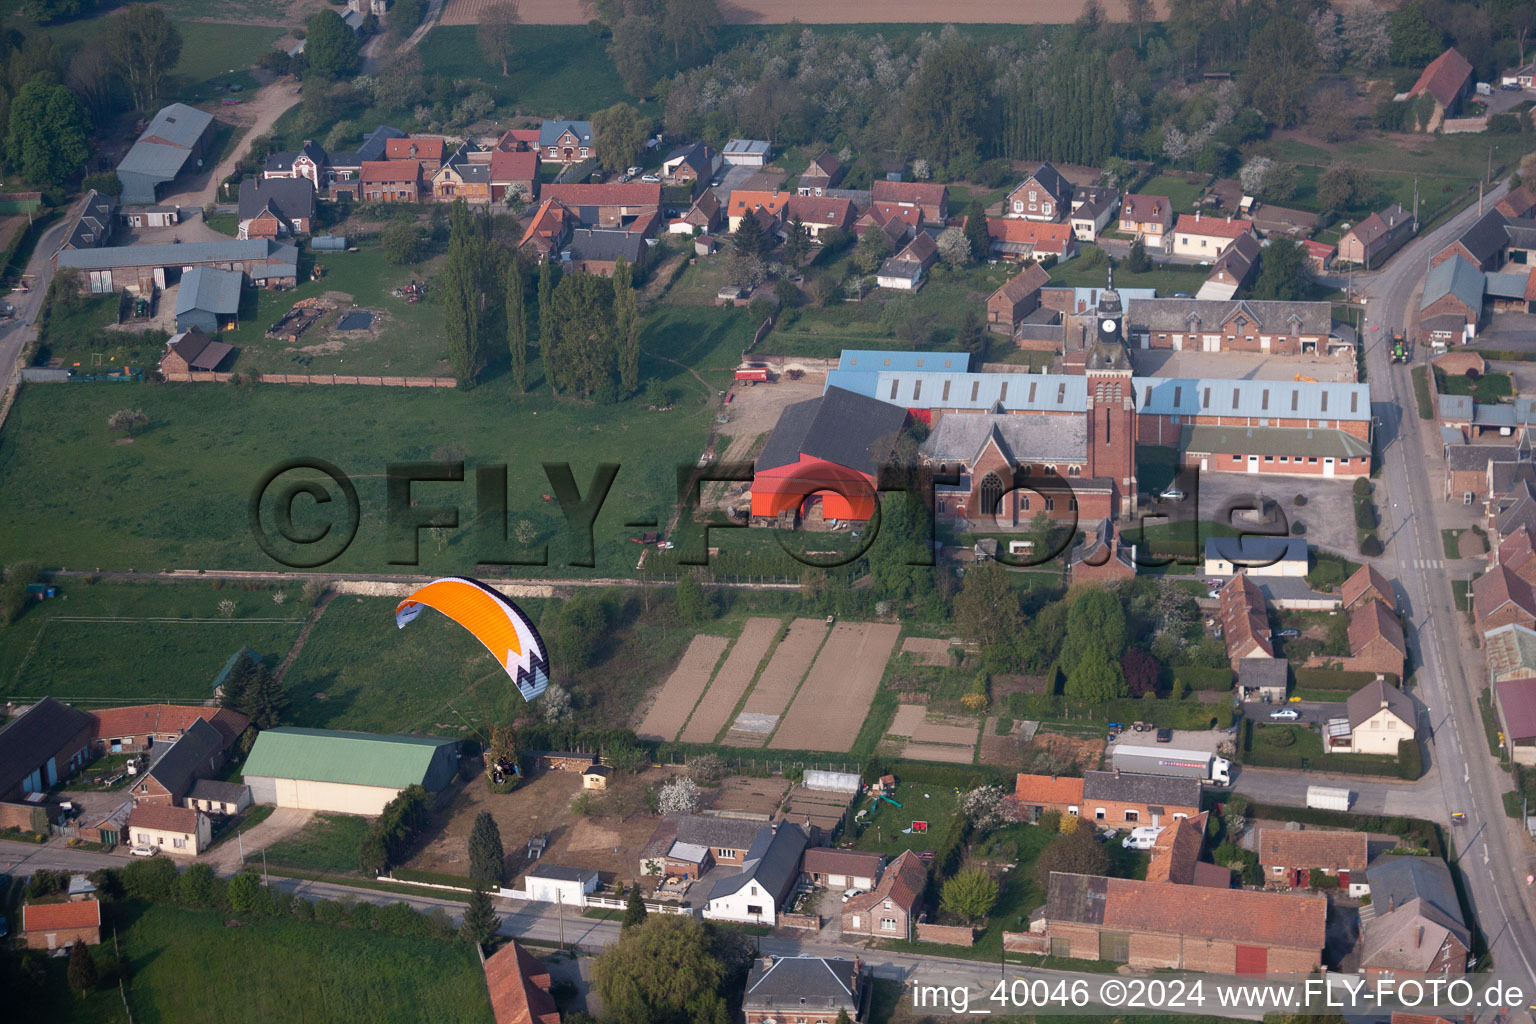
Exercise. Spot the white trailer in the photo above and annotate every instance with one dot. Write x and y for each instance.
(1326, 799)
(1187, 764)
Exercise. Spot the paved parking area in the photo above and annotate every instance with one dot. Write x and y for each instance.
(1328, 514)
(1183, 739)
(1523, 375)
(1516, 331)
(1162, 362)
(1310, 713)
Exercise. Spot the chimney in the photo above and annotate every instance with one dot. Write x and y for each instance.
(1197, 216)
(1418, 937)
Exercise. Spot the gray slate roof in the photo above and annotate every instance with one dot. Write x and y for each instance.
(94, 224)
(284, 161)
(1133, 787)
(216, 291)
(177, 767)
(1485, 237)
(1179, 315)
(841, 427)
(1293, 441)
(1256, 550)
(1368, 700)
(1021, 438)
(801, 984)
(179, 125)
(36, 735)
(1397, 880)
(222, 792)
(372, 147)
(561, 874)
(168, 254)
(722, 833)
(773, 862)
(1457, 277)
(1463, 457)
(596, 244)
(550, 131)
(1263, 672)
(287, 198)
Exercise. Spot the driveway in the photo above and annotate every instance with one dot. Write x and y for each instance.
(282, 823)
(830, 907)
(1512, 331)
(1309, 712)
(256, 116)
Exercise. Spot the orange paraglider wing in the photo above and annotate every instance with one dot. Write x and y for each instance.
(495, 621)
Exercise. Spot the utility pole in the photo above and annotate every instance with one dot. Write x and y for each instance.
(1415, 204)
(1490, 165)
(560, 902)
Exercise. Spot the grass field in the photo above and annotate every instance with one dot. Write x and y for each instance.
(187, 965)
(178, 496)
(1168, 279)
(920, 801)
(357, 671)
(328, 843)
(559, 72)
(56, 647)
(1182, 194)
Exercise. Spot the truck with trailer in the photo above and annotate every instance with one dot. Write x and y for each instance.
(1326, 799)
(1187, 764)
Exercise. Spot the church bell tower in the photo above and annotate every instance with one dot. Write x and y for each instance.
(1112, 404)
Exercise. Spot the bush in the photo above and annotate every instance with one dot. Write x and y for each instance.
(1298, 528)
(1278, 737)
(1365, 514)
(1410, 764)
(1362, 487)
(1370, 546)
(1299, 500)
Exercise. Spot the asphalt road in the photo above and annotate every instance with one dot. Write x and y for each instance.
(1495, 857)
(19, 330)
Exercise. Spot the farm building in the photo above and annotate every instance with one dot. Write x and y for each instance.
(131, 729)
(173, 140)
(1288, 855)
(270, 207)
(519, 984)
(213, 797)
(842, 868)
(193, 350)
(1418, 927)
(208, 300)
(98, 215)
(45, 743)
(551, 883)
(346, 772)
(57, 925)
(142, 268)
(746, 153)
(198, 753)
(1184, 927)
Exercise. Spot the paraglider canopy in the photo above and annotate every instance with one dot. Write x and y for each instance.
(494, 620)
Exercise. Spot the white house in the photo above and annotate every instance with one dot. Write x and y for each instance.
(1256, 556)
(551, 883)
(1380, 717)
(760, 891)
(746, 153)
(1205, 238)
(178, 830)
(901, 275)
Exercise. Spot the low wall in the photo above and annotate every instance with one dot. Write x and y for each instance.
(808, 922)
(27, 817)
(1025, 942)
(949, 935)
(1462, 125)
(206, 377)
(379, 588)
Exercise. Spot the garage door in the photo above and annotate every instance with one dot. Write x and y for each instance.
(836, 881)
(1252, 960)
(1115, 946)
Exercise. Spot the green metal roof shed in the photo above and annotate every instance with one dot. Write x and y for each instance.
(352, 758)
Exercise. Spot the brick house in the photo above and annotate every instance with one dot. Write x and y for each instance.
(632, 206)
(390, 181)
(276, 207)
(198, 753)
(1500, 597)
(931, 200)
(1205, 238)
(1514, 700)
(1518, 203)
(725, 840)
(514, 174)
(705, 214)
(1017, 298)
(1151, 925)
(694, 164)
(1287, 855)
(1448, 81)
(598, 252)
(462, 176)
(1044, 195)
(1233, 325)
(889, 909)
(1484, 244)
(853, 869)
(519, 985)
(1371, 241)
(806, 989)
(1451, 307)
(564, 142)
(1175, 856)
(1517, 553)
(819, 213)
(191, 350)
(820, 174)
(1149, 218)
(429, 153)
(129, 730)
(176, 830)
(745, 202)
(1020, 239)
(1417, 927)
(547, 229)
(310, 162)
(1376, 641)
(58, 925)
(1366, 584)
(1244, 621)
(1035, 794)
(1103, 557)
(1110, 798)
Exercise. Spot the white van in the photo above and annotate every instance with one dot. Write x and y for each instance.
(1143, 838)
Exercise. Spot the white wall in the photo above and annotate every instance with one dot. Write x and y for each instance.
(339, 797)
(735, 906)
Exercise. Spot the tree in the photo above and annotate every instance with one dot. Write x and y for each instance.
(973, 336)
(487, 857)
(1324, 24)
(145, 47)
(1076, 852)
(401, 243)
(480, 920)
(1142, 671)
(1365, 34)
(693, 603)
(620, 135)
(239, 682)
(330, 46)
(583, 321)
(987, 808)
(1095, 679)
(954, 247)
(1415, 41)
(689, 26)
(126, 421)
(949, 103)
(627, 326)
(82, 969)
(1138, 13)
(707, 769)
(90, 76)
(634, 911)
(49, 133)
(797, 243)
(636, 41)
(1345, 187)
(497, 34)
(976, 230)
(262, 697)
(663, 970)
(547, 274)
(243, 892)
(1285, 271)
(1095, 622)
(517, 322)
(970, 894)
(195, 886)
(626, 757)
(987, 606)
(1136, 261)
(873, 249)
(1281, 69)
(580, 630)
(680, 796)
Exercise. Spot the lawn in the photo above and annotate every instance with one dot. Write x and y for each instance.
(328, 843)
(214, 53)
(1182, 194)
(188, 965)
(881, 829)
(178, 496)
(561, 70)
(357, 671)
(168, 642)
(1488, 388)
(1168, 279)
(1421, 396)
(1450, 540)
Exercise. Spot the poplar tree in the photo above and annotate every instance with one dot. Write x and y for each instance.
(517, 323)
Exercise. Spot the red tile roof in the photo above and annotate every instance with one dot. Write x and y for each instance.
(1240, 915)
(1429, 1018)
(1211, 227)
(1517, 202)
(1499, 587)
(548, 223)
(1311, 848)
(1177, 851)
(1364, 580)
(391, 170)
(1444, 78)
(518, 138)
(1244, 620)
(517, 166)
(635, 193)
(1048, 789)
(164, 818)
(414, 149)
(912, 192)
(1372, 621)
(145, 719)
(47, 917)
(821, 210)
(824, 861)
(743, 201)
(1024, 284)
(904, 880)
(1047, 238)
(1517, 701)
(519, 986)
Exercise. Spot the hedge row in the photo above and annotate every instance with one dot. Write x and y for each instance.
(1199, 677)
(1335, 679)
(1425, 833)
(1407, 765)
(1161, 712)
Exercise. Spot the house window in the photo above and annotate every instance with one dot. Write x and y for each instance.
(180, 844)
(944, 396)
(1312, 458)
(1018, 207)
(724, 853)
(755, 911)
(1132, 815)
(1072, 504)
(1046, 209)
(1269, 458)
(917, 390)
(887, 924)
(583, 152)
(553, 151)
(893, 390)
(1285, 458)
(754, 890)
(889, 905)
(1098, 814)
(1050, 504)
(975, 389)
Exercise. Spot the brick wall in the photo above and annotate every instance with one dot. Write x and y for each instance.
(1150, 950)
(947, 934)
(1025, 942)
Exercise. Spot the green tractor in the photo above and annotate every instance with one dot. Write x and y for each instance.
(1399, 348)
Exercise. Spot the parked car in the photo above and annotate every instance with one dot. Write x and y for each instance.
(1288, 633)
(1173, 494)
(1165, 735)
(1286, 714)
(650, 179)
(144, 851)
(849, 894)
(634, 171)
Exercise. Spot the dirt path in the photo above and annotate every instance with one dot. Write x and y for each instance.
(298, 645)
(256, 116)
(817, 12)
(283, 822)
